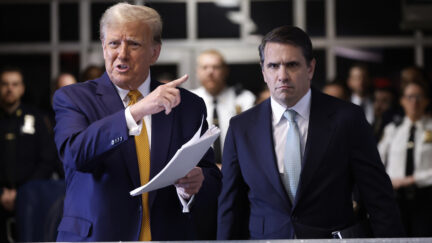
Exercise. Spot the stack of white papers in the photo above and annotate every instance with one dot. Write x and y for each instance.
(184, 160)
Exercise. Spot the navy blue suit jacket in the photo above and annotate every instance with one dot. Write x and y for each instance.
(340, 152)
(101, 168)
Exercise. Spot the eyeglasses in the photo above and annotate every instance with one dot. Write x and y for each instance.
(414, 97)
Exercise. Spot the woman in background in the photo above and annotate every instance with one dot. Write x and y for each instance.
(406, 150)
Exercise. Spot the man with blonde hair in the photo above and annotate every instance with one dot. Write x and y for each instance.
(222, 102)
(118, 131)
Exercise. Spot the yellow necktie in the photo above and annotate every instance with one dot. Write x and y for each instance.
(143, 154)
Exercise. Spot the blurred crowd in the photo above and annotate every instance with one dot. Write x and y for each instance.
(398, 111)
(31, 174)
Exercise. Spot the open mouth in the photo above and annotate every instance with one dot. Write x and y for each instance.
(122, 67)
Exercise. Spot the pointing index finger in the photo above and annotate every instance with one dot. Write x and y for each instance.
(178, 82)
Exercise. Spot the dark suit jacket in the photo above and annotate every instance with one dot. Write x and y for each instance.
(28, 156)
(340, 152)
(101, 167)
(24, 156)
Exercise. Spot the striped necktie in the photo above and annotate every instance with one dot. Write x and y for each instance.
(143, 155)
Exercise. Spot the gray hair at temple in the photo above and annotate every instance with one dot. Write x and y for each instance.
(288, 35)
(125, 12)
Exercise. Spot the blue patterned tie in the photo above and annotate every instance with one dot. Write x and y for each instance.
(292, 160)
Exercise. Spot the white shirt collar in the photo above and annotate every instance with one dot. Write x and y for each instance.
(220, 97)
(358, 100)
(419, 123)
(144, 89)
(302, 108)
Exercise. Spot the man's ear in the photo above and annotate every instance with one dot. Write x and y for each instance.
(311, 68)
(156, 52)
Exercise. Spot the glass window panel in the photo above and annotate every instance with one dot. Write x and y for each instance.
(315, 17)
(174, 19)
(97, 10)
(163, 72)
(69, 63)
(369, 17)
(268, 15)
(246, 76)
(319, 78)
(24, 22)
(213, 21)
(428, 64)
(69, 22)
(37, 71)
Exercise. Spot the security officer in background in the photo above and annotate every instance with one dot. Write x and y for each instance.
(406, 150)
(27, 152)
(222, 102)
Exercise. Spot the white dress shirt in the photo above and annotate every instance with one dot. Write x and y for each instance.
(368, 106)
(228, 105)
(393, 148)
(281, 125)
(135, 130)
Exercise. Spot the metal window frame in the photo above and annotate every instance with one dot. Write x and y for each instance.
(183, 52)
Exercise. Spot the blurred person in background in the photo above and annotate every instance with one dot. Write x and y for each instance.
(222, 102)
(406, 150)
(91, 72)
(263, 95)
(359, 84)
(412, 74)
(383, 110)
(60, 81)
(386, 109)
(336, 89)
(65, 79)
(27, 151)
(416, 74)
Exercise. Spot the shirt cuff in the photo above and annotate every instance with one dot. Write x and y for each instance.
(134, 128)
(183, 196)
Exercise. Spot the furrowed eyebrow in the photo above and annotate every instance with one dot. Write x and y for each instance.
(291, 63)
(270, 64)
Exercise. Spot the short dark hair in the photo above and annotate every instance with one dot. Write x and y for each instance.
(363, 66)
(288, 35)
(421, 83)
(11, 69)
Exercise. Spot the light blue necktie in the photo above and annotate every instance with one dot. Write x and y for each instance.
(292, 159)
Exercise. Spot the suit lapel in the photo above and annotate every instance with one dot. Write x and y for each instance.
(262, 133)
(111, 103)
(108, 95)
(162, 126)
(319, 135)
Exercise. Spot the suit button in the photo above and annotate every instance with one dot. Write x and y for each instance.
(112, 142)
